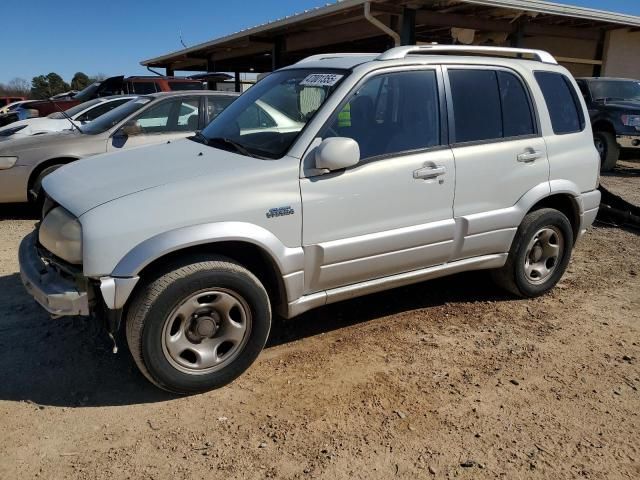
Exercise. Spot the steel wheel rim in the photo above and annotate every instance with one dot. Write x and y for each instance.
(543, 254)
(206, 331)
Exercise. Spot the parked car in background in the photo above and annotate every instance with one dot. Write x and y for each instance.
(148, 119)
(614, 108)
(444, 163)
(118, 85)
(57, 121)
(17, 111)
(5, 101)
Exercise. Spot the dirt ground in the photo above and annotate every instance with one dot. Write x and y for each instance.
(624, 181)
(445, 379)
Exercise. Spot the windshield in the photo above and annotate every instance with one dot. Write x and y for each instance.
(75, 110)
(266, 120)
(615, 89)
(115, 116)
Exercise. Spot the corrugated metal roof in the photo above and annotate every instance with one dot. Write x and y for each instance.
(536, 6)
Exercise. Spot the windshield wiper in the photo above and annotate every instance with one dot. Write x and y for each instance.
(199, 137)
(227, 141)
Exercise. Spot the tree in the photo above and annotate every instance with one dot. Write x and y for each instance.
(79, 81)
(45, 86)
(16, 87)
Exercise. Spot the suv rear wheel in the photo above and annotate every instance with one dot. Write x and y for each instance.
(539, 255)
(608, 149)
(198, 325)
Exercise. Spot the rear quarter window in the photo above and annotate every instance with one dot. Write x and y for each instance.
(562, 102)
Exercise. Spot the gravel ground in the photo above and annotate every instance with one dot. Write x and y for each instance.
(449, 378)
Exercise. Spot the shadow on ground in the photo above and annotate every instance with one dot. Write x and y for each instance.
(18, 211)
(68, 362)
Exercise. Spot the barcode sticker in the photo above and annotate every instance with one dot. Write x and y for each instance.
(321, 80)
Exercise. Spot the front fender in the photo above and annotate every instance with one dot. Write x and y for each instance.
(289, 260)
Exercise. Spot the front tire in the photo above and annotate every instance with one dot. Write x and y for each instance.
(198, 324)
(539, 255)
(37, 193)
(608, 149)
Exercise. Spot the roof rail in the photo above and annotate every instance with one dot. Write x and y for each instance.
(327, 56)
(398, 53)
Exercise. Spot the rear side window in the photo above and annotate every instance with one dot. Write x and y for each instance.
(562, 102)
(517, 117)
(476, 105)
(489, 105)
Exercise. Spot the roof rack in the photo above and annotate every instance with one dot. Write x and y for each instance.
(328, 56)
(398, 53)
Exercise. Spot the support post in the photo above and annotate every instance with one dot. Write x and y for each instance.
(170, 72)
(408, 27)
(237, 82)
(597, 69)
(211, 67)
(517, 37)
(277, 54)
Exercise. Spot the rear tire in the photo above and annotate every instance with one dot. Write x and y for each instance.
(198, 324)
(539, 255)
(608, 149)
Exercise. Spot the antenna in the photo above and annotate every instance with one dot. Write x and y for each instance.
(64, 114)
(181, 40)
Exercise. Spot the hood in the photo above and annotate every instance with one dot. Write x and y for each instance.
(27, 146)
(88, 183)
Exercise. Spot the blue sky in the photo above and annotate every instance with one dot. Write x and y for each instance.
(111, 37)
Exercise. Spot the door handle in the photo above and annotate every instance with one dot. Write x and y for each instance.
(429, 172)
(529, 156)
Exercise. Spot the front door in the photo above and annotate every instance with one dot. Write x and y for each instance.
(169, 119)
(391, 213)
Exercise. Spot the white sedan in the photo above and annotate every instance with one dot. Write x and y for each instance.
(57, 121)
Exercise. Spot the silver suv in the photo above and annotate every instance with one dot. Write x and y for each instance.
(391, 170)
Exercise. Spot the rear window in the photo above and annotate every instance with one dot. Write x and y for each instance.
(562, 102)
(181, 86)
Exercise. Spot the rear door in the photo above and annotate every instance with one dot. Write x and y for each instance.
(167, 120)
(499, 152)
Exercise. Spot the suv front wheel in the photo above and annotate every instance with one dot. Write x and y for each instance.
(539, 255)
(199, 324)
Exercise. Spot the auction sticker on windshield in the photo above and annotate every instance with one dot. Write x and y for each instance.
(321, 80)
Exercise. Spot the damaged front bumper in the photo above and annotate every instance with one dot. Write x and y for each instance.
(58, 295)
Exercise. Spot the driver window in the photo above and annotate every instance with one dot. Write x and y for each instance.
(391, 113)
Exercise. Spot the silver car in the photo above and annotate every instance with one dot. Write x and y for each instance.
(406, 166)
(148, 119)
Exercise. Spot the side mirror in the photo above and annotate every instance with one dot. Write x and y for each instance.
(337, 153)
(130, 129)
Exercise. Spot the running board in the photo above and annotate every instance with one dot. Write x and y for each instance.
(314, 300)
